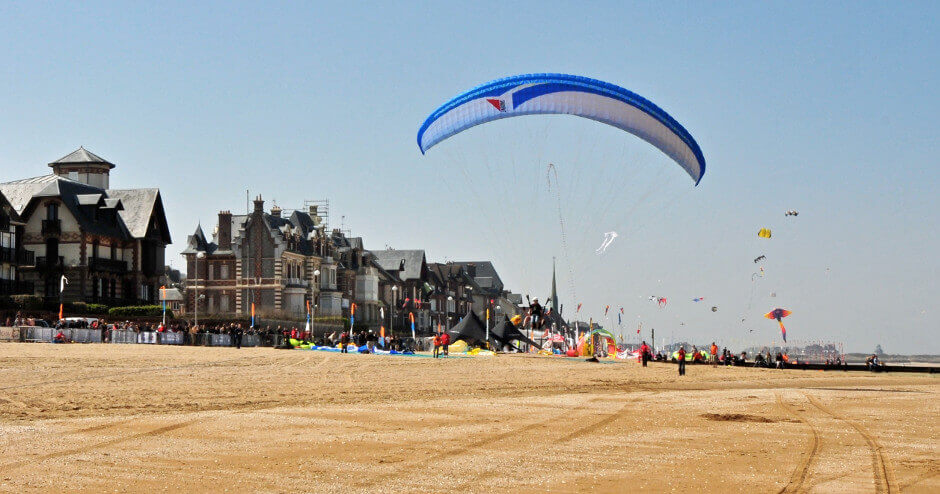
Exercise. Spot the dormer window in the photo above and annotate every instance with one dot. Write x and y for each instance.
(52, 211)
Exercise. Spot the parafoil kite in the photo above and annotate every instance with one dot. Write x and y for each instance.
(608, 239)
(779, 314)
(764, 233)
(698, 299)
(759, 258)
(791, 212)
(661, 301)
(540, 94)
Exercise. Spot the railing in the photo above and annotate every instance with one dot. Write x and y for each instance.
(25, 258)
(44, 262)
(109, 265)
(51, 227)
(14, 287)
(7, 254)
(296, 283)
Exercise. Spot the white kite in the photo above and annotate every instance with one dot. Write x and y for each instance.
(608, 239)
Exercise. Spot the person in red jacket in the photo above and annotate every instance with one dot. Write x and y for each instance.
(645, 353)
(445, 341)
(681, 361)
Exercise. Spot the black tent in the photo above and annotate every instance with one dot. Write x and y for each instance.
(470, 329)
(506, 332)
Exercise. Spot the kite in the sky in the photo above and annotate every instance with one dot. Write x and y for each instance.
(714, 308)
(606, 309)
(608, 239)
(759, 258)
(779, 314)
(791, 212)
(698, 299)
(578, 309)
(547, 94)
(661, 301)
(764, 233)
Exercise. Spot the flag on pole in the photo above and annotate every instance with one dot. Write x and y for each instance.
(252, 314)
(411, 316)
(62, 282)
(352, 316)
(307, 330)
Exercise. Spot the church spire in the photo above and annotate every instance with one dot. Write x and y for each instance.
(554, 297)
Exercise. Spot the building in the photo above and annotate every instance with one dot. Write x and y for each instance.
(275, 262)
(413, 293)
(12, 254)
(108, 243)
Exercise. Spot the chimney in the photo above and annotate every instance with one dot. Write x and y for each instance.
(259, 204)
(472, 270)
(276, 211)
(225, 230)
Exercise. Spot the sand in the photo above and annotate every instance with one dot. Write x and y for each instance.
(137, 418)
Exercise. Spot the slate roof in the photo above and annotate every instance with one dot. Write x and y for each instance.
(79, 156)
(390, 260)
(197, 242)
(139, 205)
(486, 275)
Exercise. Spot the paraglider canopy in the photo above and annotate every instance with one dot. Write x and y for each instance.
(530, 94)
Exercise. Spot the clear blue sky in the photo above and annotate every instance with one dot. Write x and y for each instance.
(829, 109)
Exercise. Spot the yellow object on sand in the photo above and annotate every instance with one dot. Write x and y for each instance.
(458, 346)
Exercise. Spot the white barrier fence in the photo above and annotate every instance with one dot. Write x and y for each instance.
(77, 335)
(83, 335)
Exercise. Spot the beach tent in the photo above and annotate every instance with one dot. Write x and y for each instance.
(506, 332)
(470, 329)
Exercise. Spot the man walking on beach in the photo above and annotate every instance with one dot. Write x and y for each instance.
(237, 336)
(437, 345)
(445, 341)
(645, 353)
(681, 361)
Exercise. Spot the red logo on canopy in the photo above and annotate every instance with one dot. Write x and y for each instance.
(497, 103)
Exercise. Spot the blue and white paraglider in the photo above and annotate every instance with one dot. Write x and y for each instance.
(565, 94)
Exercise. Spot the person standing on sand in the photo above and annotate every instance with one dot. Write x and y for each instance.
(681, 361)
(645, 353)
(344, 341)
(437, 345)
(713, 351)
(445, 341)
(237, 336)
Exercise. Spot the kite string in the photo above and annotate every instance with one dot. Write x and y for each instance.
(552, 171)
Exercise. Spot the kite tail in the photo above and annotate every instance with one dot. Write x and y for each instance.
(783, 330)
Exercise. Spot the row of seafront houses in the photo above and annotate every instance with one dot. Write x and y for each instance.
(110, 244)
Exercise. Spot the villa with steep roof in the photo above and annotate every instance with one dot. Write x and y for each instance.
(108, 243)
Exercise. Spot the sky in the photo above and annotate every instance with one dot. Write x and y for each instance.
(829, 108)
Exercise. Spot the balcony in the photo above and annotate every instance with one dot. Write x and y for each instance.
(296, 283)
(51, 227)
(18, 257)
(107, 265)
(49, 263)
(13, 287)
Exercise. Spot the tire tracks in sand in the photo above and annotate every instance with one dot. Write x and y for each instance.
(881, 468)
(32, 461)
(541, 427)
(801, 473)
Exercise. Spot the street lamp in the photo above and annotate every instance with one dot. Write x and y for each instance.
(447, 311)
(316, 288)
(391, 313)
(199, 255)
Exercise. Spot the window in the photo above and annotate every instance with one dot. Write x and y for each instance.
(223, 303)
(52, 211)
(94, 250)
(223, 272)
(211, 270)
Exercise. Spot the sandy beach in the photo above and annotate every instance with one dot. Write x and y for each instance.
(137, 418)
